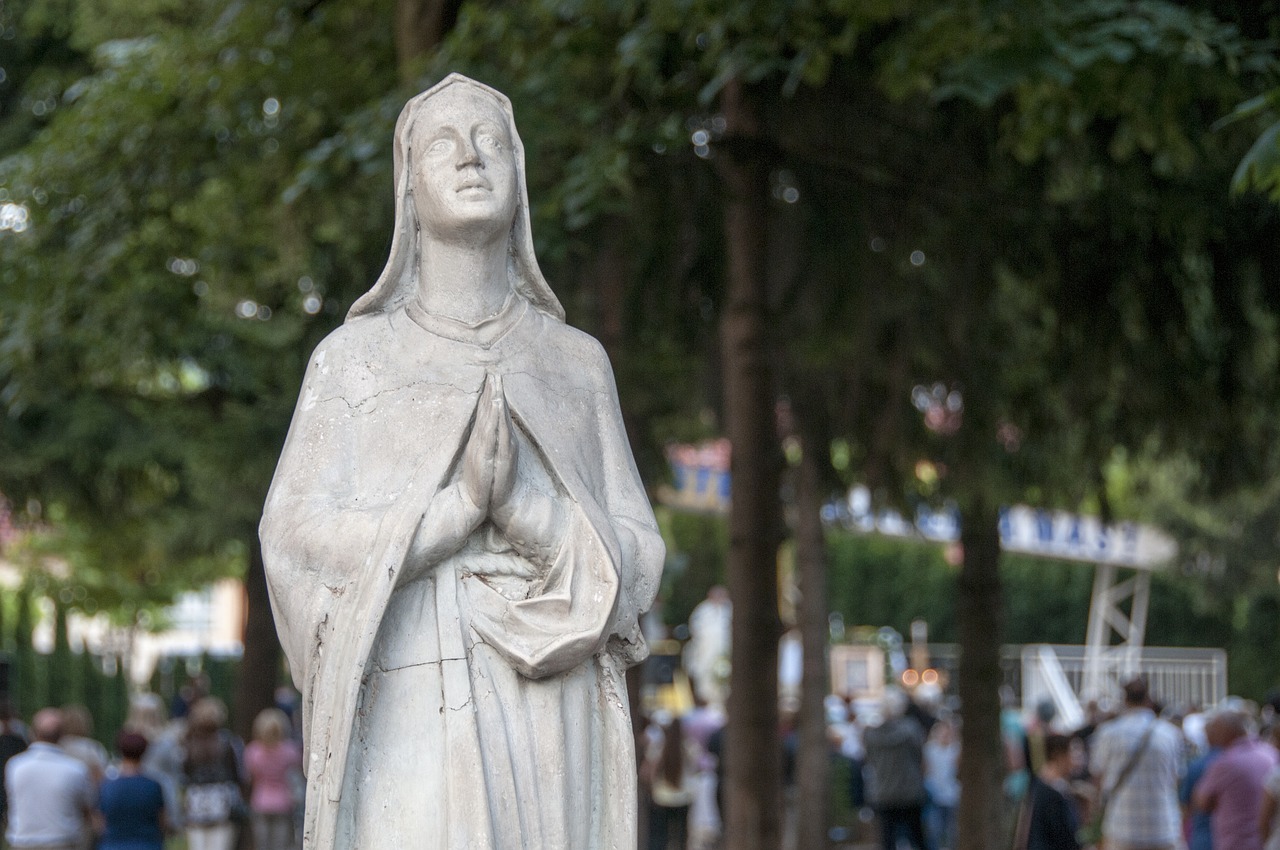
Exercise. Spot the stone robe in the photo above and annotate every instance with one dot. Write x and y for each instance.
(478, 702)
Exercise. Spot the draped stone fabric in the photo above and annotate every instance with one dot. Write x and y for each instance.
(476, 701)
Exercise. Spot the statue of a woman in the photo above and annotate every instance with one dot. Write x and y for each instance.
(457, 542)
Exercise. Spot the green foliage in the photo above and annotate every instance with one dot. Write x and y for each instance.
(696, 548)
(796, 43)
(1092, 287)
(1260, 167)
(984, 51)
(1251, 666)
(157, 312)
(62, 677)
(878, 581)
(37, 62)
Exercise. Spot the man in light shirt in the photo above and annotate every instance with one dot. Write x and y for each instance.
(51, 795)
(1142, 809)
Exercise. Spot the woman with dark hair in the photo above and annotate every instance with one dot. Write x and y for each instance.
(670, 771)
(163, 759)
(1048, 819)
(132, 805)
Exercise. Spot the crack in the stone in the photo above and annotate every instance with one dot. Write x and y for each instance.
(416, 664)
(397, 388)
(555, 387)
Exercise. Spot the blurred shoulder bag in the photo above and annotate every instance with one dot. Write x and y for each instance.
(1090, 835)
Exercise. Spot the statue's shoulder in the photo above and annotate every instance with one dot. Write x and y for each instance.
(570, 357)
(352, 339)
(351, 346)
(578, 348)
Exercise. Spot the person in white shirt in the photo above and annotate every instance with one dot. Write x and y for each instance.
(1142, 811)
(51, 795)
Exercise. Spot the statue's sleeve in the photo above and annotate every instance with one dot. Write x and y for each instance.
(348, 499)
(641, 548)
(316, 531)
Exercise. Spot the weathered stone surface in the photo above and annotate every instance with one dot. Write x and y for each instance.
(457, 542)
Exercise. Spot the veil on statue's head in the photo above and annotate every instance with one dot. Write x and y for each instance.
(398, 281)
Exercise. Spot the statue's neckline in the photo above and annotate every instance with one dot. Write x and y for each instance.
(483, 333)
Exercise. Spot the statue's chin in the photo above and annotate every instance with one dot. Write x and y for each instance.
(470, 220)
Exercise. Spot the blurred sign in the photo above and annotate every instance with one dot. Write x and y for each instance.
(699, 475)
(1057, 534)
(857, 671)
(1030, 531)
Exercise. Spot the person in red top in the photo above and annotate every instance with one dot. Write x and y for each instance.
(273, 762)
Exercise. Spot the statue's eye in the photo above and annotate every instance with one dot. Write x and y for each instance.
(491, 141)
(439, 146)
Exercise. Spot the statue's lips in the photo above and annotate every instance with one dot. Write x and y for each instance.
(472, 187)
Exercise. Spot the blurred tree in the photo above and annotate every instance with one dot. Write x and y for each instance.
(811, 480)
(27, 689)
(1056, 252)
(1259, 168)
(62, 675)
(38, 60)
(169, 276)
(1092, 283)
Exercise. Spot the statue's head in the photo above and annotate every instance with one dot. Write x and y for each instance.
(462, 168)
(459, 176)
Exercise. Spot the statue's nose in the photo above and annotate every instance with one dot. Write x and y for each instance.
(468, 155)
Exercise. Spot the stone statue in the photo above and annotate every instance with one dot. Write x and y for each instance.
(457, 543)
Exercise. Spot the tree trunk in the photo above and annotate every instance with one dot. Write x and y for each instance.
(61, 690)
(420, 25)
(753, 793)
(607, 276)
(24, 673)
(980, 621)
(260, 664)
(606, 279)
(813, 761)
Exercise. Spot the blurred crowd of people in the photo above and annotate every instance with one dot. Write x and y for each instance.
(902, 760)
(1147, 775)
(1140, 776)
(897, 767)
(183, 771)
(680, 778)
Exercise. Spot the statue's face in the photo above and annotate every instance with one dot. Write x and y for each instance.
(463, 166)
